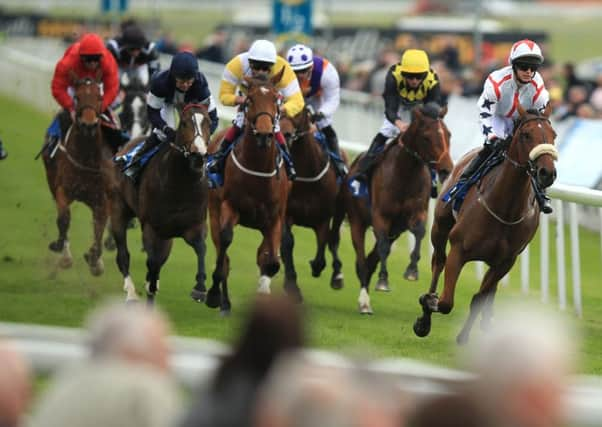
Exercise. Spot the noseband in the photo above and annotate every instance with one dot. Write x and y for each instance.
(543, 148)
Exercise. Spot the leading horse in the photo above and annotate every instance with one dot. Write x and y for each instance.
(255, 191)
(496, 221)
(315, 201)
(170, 201)
(398, 198)
(81, 170)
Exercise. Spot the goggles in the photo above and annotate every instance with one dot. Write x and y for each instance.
(523, 66)
(414, 76)
(91, 58)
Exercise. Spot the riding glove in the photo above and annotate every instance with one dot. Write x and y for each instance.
(170, 134)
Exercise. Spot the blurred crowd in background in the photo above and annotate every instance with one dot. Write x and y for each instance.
(519, 373)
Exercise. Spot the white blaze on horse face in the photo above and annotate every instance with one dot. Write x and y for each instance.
(137, 105)
(199, 141)
(264, 90)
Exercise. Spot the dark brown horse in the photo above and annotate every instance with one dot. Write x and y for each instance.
(254, 193)
(81, 170)
(170, 201)
(399, 195)
(496, 221)
(315, 201)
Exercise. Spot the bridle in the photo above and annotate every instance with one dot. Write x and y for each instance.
(546, 148)
(198, 132)
(433, 164)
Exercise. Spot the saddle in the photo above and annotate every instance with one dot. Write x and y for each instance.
(492, 161)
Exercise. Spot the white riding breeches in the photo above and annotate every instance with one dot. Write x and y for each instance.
(389, 129)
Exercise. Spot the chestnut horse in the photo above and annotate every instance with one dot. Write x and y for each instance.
(496, 221)
(170, 201)
(400, 188)
(81, 170)
(315, 200)
(254, 193)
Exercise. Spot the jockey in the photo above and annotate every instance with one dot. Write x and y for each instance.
(134, 53)
(87, 57)
(261, 59)
(409, 83)
(320, 86)
(171, 90)
(518, 82)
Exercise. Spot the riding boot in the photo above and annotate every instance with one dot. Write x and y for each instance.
(333, 145)
(135, 165)
(3, 153)
(472, 167)
(288, 160)
(542, 199)
(216, 165)
(367, 162)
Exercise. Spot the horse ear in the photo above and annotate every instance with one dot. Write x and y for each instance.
(548, 110)
(443, 112)
(521, 110)
(278, 76)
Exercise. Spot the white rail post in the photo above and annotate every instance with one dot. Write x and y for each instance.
(560, 261)
(576, 262)
(544, 262)
(524, 271)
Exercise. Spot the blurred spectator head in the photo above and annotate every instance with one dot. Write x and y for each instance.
(522, 366)
(134, 334)
(577, 95)
(15, 385)
(456, 409)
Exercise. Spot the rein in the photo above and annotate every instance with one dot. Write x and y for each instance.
(72, 160)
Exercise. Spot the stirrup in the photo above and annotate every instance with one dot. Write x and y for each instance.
(544, 206)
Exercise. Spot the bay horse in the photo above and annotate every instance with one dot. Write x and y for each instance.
(81, 170)
(254, 193)
(170, 201)
(496, 221)
(314, 201)
(398, 199)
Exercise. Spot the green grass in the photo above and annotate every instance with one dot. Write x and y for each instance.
(33, 289)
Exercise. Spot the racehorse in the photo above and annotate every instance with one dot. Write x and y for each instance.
(313, 202)
(133, 116)
(81, 170)
(170, 201)
(496, 221)
(254, 193)
(399, 195)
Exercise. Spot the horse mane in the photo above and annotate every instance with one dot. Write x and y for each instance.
(533, 111)
(431, 109)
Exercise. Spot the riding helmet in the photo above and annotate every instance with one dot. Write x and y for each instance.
(414, 61)
(300, 57)
(184, 65)
(525, 51)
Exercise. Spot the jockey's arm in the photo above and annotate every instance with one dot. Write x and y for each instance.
(331, 91)
(154, 103)
(205, 95)
(231, 78)
(391, 97)
(488, 104)
(60, 85)
(110, 80)
(290, 89)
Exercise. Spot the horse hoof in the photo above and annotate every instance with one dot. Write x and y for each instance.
(337, 284)
(225, 312)
(462, 338)
(198, 296)
(56, 246)
(411, 275)
(317, 268)
(213, 299)
(422, 327)
(382, 286)
(66, 262)
(366, 309)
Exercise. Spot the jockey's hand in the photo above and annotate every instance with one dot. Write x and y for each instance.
(317, 116)
(170, 133)
(240, 100)
(402, 126)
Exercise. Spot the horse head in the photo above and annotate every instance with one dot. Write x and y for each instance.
(296, 128)
(532, 145)
(262, 107)
(429, 138)
(87, 99)
(192, 135)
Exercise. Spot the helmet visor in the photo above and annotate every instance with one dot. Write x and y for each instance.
(414, 76)
(91, 58)
(260, 65)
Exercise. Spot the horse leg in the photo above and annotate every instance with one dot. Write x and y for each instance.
(93, 256)
(319, 262)
(109, 242)
(290, 275)
(63, 220)
(428, 301)
(383, 247)
(119, 220)
(196, 239)
(334, 239)
(157, 251)
(418, 230)
(483, 300)
(222, 233)
(358, 232)
(267, 256)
